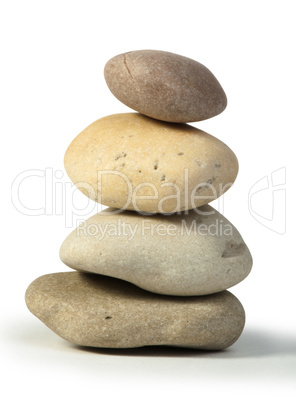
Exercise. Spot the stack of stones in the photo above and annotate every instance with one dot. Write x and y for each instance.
(155, 266)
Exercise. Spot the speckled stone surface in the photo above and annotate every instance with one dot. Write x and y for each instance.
(165, 86)
(93, 310)
(185, 254)
(133, 162)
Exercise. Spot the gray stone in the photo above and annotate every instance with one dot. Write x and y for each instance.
(93, 310)
(165, 86)
(181, 254)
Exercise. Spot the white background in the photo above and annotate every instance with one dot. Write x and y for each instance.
(52, 86)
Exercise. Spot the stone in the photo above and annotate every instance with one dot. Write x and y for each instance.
(133, 162)
(182, 254)
(165, 86)
(98, 311)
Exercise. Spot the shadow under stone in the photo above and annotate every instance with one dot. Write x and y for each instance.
(252, 343)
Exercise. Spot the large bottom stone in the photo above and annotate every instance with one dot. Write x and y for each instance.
(99, 311)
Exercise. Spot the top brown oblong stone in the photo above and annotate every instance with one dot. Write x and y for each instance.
(165, 86)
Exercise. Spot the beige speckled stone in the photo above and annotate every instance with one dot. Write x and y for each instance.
(165, 86)
(98, 311)
(133, 162)
(182, 254)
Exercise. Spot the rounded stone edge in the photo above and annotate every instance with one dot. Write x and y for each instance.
(224, 100)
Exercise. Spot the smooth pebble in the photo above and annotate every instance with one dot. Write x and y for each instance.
(165, 86)
(92, 310)
(133, 162)
(183, 254)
